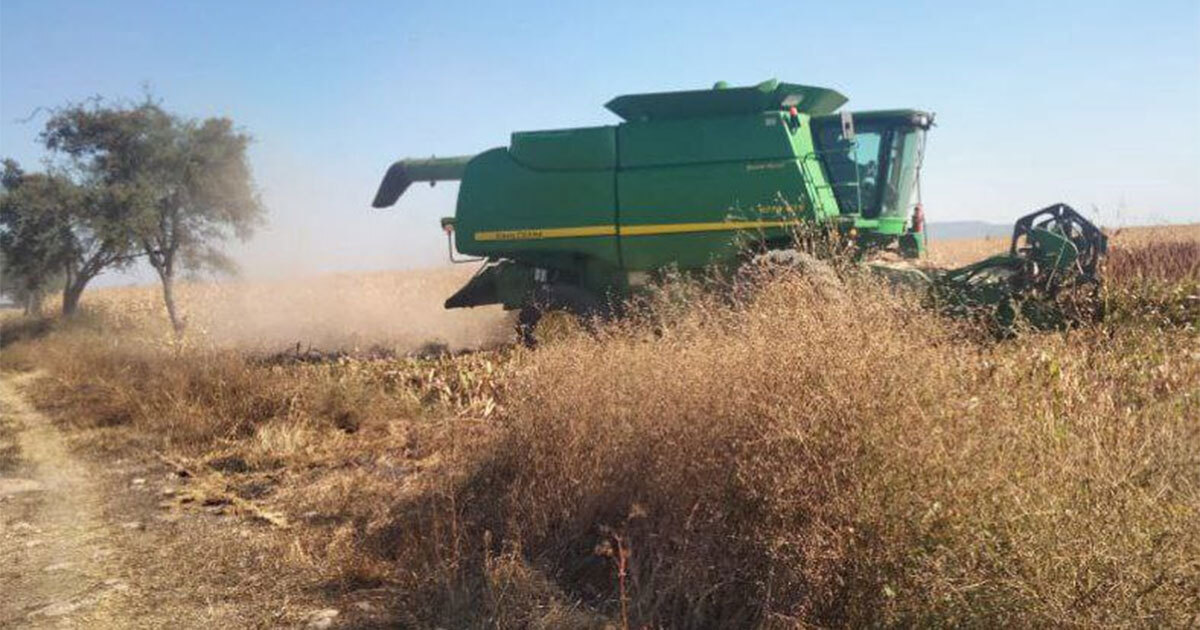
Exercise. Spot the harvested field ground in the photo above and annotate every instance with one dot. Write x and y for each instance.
(811, 456)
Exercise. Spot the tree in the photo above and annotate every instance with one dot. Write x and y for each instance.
(29, 290)
(55, 227)
(27, 265)
(186, 184)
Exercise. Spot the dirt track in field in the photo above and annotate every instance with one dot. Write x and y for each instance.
(106, 539)
(60, 566)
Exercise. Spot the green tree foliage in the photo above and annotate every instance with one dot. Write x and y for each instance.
(27, 240)
(28, 290)
(59, 226)
(185, 184)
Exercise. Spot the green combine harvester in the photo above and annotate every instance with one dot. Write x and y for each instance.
(578, 219)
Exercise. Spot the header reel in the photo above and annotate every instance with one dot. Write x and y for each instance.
(1060, 244)
(1048, 279)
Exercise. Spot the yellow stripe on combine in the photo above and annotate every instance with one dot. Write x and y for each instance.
(538, 233)
(716, 226)
(627, 230)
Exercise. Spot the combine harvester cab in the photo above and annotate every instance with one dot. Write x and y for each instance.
(576, 219)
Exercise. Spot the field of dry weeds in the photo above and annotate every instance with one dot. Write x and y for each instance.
(813, 456)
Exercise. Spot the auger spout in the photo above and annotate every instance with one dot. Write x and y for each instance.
(404, 172)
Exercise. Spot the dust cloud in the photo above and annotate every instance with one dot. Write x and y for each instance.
(400, 311)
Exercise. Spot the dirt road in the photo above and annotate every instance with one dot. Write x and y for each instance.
(58, 565)
(101, 540)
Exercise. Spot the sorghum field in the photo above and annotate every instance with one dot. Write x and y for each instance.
(813, 456)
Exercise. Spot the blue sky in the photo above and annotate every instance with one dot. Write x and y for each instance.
(1092, 103)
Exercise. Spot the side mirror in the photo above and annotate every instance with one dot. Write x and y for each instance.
(847, 126)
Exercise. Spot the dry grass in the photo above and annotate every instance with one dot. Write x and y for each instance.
(1153, 284)
(962, 251)
(792, 465)
(814, 456)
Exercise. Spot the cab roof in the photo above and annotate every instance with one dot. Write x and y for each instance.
(915, 117)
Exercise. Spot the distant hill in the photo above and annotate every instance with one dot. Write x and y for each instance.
(967, 229)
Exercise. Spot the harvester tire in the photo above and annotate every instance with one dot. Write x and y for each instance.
(557, 298)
